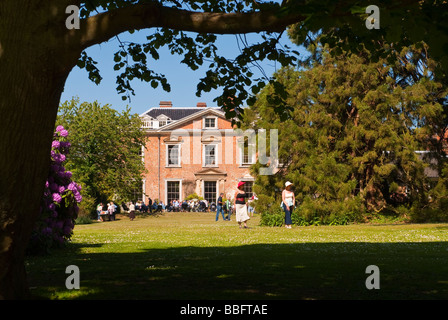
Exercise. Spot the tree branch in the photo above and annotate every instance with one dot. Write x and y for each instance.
(103, 26)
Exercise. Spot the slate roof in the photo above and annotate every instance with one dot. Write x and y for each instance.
(173, 113)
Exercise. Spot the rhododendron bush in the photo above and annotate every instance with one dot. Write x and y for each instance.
(59, 205)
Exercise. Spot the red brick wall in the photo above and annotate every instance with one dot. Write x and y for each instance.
(155, 154)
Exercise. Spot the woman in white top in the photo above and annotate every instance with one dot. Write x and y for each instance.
(288, 201)
(131, 211)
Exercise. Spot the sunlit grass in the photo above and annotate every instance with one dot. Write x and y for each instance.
(190, 256)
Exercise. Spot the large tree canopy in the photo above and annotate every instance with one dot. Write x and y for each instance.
(37, 52)
(343, 25)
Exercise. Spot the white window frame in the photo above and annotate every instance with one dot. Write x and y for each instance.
(166, 189)
(147, 122)
(204, 145)
(144, 190)
(250, 147)
(167, 164)
(210, 117)
(163, 118)
(143, 153)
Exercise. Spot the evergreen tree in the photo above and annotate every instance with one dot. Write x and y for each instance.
(350, 132)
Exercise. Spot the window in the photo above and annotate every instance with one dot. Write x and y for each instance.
(247, 187)
(210, 122)
(147, 124)
(247, 152)
(173, 155)
(163, 120)
(141, 153)
(210, 155)
(210, 191)
(173, 191)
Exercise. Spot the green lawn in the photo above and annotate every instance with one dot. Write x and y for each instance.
(190, 256)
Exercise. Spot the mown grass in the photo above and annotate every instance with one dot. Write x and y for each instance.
(190, 256)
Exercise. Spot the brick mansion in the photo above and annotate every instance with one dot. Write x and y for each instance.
(193, 150)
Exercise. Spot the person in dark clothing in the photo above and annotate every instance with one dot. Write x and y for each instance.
(150, 205)
(219, 208)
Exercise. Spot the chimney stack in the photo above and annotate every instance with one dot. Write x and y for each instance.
(201, 105)
(165, 104)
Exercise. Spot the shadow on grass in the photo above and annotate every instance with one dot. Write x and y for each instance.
(260, 271)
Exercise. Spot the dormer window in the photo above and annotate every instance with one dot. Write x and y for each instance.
(163, 120)
(147, 122)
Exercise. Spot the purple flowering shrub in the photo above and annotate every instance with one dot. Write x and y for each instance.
(59, 205)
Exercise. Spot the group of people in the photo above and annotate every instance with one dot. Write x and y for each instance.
(175, 206)
(141, 207)
(193, 205)
(223, 207)
(106, 210)
(241, 206)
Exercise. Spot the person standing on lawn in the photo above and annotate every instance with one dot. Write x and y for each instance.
(150, 205)
(288, 201)
(219, 207)
(99, 208)
(228, 209)
(131, 211)
(112, 208)
(240, 205)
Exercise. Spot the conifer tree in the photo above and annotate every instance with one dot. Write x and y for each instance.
(350, 131)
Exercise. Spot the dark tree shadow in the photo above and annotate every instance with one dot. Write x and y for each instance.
(409, 270)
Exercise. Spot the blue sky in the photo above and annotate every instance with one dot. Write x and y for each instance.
(183, 81)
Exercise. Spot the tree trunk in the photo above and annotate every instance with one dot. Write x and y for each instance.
(31, 84)
(23, 169)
